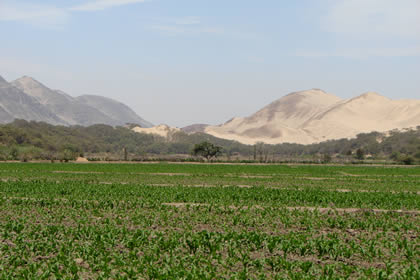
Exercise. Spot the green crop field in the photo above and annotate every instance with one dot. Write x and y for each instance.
(208, 221)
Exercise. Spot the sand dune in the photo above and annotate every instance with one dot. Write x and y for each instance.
(314, 116)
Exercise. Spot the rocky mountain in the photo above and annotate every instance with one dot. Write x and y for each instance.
(38, 102)
(67, 108)
(314, 116)
(15, 104)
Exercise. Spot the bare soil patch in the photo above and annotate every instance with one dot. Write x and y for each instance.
(302, 208)
(318, 178)
(351, 210)
(349, 174)
(77, 172)
(82, 160)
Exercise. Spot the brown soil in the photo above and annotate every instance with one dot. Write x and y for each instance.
(302, 208)
(82, 160)
(77, 172)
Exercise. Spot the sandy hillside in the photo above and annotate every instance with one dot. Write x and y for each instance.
(194, 128)
(314, 116)
(161, 130)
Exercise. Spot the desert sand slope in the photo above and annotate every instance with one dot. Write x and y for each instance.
(194, 128)
(366, 113)
(314, 116)
(15, 104)
(118, 111)
(161, 130)
(283, 120)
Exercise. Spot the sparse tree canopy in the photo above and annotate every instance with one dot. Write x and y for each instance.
(207, 150)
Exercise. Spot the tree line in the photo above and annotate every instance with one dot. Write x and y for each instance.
(23, 140)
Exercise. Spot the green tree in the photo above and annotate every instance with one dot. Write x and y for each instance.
(360, 154)
(206, 150)
(407, 160)
(395, 156)
(326, 158)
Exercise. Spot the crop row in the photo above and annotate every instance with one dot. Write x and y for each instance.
(165, 242)
(144, 221)
(342, 178)
(150, 195)
(218, 169)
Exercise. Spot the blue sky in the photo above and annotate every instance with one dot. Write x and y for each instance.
(200, 61)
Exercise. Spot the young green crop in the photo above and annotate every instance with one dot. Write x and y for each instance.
(168, 221)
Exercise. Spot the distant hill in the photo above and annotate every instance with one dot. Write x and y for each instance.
(28, 99)
(118, 111)
(315, 116)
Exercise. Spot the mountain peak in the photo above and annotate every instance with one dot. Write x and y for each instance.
(32, 87)
(312, 93)
(28, 82)
(314, 96)
(315, 90)
(371, 95)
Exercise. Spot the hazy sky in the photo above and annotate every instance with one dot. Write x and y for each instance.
(205, 61)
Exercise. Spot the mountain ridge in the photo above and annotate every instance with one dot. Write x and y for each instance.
(68, 110)
(114, 109)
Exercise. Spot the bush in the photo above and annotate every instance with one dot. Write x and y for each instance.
(326, 158)
(14, 154)
(407, 160)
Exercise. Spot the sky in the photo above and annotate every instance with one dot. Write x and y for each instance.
(181, 62)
